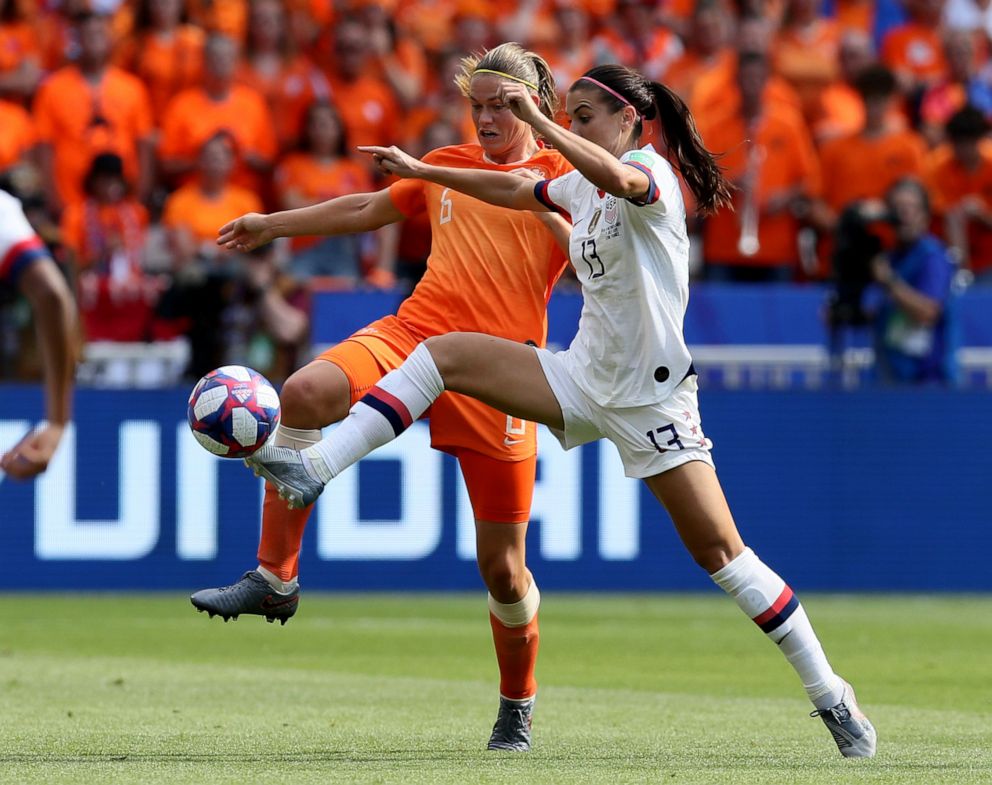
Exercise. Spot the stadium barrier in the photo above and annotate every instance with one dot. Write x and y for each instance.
(865, 490)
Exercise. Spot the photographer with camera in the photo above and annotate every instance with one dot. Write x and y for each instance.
(910, 302)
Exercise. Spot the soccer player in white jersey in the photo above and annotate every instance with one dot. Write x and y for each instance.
(627, 375)
(26, 264)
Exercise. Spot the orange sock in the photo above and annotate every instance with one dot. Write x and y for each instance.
(282, 535)
(516, 653)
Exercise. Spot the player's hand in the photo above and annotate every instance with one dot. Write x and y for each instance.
(246, 233)
(392, 160)
(31, 455)
(521, 101)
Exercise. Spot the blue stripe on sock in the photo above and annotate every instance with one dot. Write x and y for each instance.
(386, 411)
(778, 620)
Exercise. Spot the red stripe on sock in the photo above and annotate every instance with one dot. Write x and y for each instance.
(781, 602)
(393, 403)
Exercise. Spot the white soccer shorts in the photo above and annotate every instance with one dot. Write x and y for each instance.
(650, 439)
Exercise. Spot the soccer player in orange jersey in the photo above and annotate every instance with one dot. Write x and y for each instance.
(474, 244)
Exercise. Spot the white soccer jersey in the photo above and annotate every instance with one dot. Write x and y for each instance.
(633, 262)
(19, 245)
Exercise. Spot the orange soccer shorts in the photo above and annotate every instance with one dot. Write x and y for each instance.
(496, 453)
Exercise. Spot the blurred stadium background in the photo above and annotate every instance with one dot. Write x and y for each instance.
(132, 129)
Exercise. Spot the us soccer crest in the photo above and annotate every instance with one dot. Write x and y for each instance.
(611, 217)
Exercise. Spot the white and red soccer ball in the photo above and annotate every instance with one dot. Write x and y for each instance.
(232, 411)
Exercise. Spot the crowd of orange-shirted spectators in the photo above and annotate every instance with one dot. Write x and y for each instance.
(138, 127)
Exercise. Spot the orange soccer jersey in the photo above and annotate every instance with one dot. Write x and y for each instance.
(16, 134)
(490, 270)
(858, 167)
(950, 184)
(201, 216)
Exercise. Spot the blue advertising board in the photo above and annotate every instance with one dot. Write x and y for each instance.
(867, 490)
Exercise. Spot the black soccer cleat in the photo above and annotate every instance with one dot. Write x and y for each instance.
(251, 595)
(512, 728)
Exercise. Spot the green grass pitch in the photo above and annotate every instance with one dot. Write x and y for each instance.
(402, 689)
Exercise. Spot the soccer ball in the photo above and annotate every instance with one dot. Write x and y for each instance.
(232, 411)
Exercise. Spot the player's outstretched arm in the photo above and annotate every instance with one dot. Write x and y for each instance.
(55, 318)
(349, 214)
(502, 189)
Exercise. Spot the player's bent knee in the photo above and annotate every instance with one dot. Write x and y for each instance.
(504, 577)
(714, 556)
(309, 401)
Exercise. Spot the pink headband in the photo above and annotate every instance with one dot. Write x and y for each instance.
(611, 91)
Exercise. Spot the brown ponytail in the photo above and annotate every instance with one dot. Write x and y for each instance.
(698, 165)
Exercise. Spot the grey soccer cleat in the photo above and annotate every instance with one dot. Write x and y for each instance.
(252, 594)
(285, 469)
(854, 734)
(512, 728)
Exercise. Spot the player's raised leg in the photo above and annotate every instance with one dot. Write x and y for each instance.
(501, 494)
(316, 394)
(693, 497)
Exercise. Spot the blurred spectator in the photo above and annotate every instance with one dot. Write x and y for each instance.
(753, 36)
(913, 49)
(20, 51)
(805, 52)
(571, 53)
(193, 214)
(533, 22)
(219, 104)
(858, 15)
(164, 51)
(633, 38)
(396, 59)
(226, 17)
(707, 47)
(289, 81)
(960, 180)
(16, 135)
(964, 85)
(104, 234)
(840, 109)
(264, 320)
(777, 173)
(203, 270)
(320, 170)
(365, 102)
(444, 104)
(473, 27)
(912, 304)
(864, 165)
(428, 21)
(88, 108)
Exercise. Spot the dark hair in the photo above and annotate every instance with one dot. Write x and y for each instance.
(143, 15)
(103, 165)
(910, 184)
(515, 61)
(306, 144)
(875, 81)
(968, 123)
(652, 100)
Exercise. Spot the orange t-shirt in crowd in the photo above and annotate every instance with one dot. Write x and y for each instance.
(317, 181)
(686, 71)
(80, 120)
(289, 93)
(858, 167)
(428, 21)
(16, 134)
(491, 269)
(201, 215)
(856, 15)
(229, 17)
(915, 49)
(710, 91)
(807, 59)
(192, 117)
(368, 110)
(18, 42)
(949, 183)
(785, 159)
(651, 58)
(166, 65)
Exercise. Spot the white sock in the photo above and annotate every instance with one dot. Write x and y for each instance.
(770, 603)
(382, 414)
(296, 438)
(279, 585)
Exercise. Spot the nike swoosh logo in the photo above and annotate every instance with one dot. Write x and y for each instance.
(270, 603)
(510, 442)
